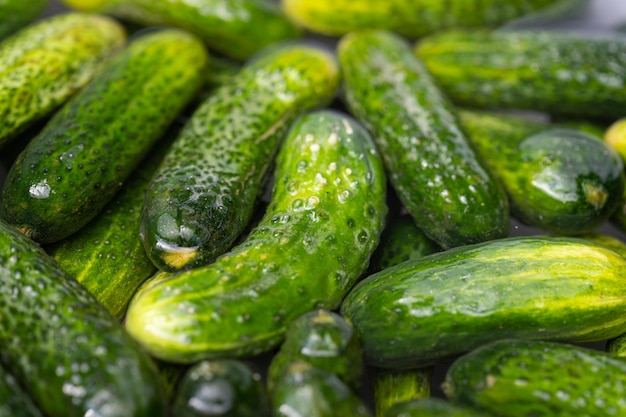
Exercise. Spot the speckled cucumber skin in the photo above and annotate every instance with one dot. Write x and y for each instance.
(14, 401)
(57, 341)
(431, 407)
(559, 73)
(44, 64)
(515, 378)
(204, 193)
(429, 161)
(315, 239)
(15, 14)
(399, 386)
(75, 165)
(235, 28)
(410, 18)
(427, 310)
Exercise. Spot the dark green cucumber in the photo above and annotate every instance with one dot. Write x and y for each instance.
(58, 341)
(203, 194)
(325, 340)
(221, 387)
(236, 28)
(14, 401)
(44, 64)
(410, 18)
(515, 378)
(552, 71)
(303, 390)
(70, 171)
(431, 407)
(427, 310)
(429, 161)
(15, 14)
(308, 250)
(392, 387)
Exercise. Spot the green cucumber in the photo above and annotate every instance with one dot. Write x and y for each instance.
(520, 378)
(74, 358)
(429, 161)
(221, 387)
(203, 195)
(607, 241)
(392, 387)
(561, 73)
(411, 18)
(235, 28)
(14, 401)
(70, 171)
(431, 407)
(43, 65)
(427, 310)
(310, 247)
(15, 14)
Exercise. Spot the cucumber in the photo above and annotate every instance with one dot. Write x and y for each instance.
(70, 171)
(429, 161)
(411, 18)
(74, 357)
(203, 194)
(607, 241)
(235, 28)
(427, 310)
(325, 340)
(43, 65)
(615, 137)
(14, 401)
(310, 247)
(512, 378)
(392, 387)
(15, 14)
(570, 74)
(221, 387)
(431, 407)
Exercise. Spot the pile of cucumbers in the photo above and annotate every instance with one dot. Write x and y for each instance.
(302, 208)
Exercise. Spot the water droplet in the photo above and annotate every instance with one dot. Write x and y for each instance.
(344, 196)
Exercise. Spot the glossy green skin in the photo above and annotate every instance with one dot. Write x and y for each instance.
(303, 390)
(315, 239)
(427, 310)
(561, 73)
(204, 193)
(429, 161)
(398, 386)
(431, 407)
(58, 341)
(71, 170)
(221, 387)
(43, 65)
(235, 28)
(14, 401)
(325, 340)
(412, 18)
(515, 378)
(15, 14)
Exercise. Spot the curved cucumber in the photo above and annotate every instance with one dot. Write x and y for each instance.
(423, 311)
(313, 242)
(431, 407)
(392, 387)
(71, 354)
(46, 63)
(67, 173)
(430, 163)
(14, 401)
(236, 28)
(203, 194)
(15, 14)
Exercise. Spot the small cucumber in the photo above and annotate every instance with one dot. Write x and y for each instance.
(15, 14)
(203, 194)
(431, 407)
(398, 386)
(429, 161)
(314, 241)
(570, 74)
(14, 401)
(426, 310)
(44, 64)
(70, 171)
(74, 358)
(235, 28)
(520, 378)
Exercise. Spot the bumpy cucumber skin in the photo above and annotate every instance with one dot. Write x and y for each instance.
(235, 28)
(426, 310)
(70, 171)
(515, 378)
(221, 387)
(398, 386)
(559, 73)
(46, 63)
(431, 407)
(14, 401)
(203, 195)
(410, 18)
(60, 343)
(15, 14)
(315, 239)
(429, 161)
